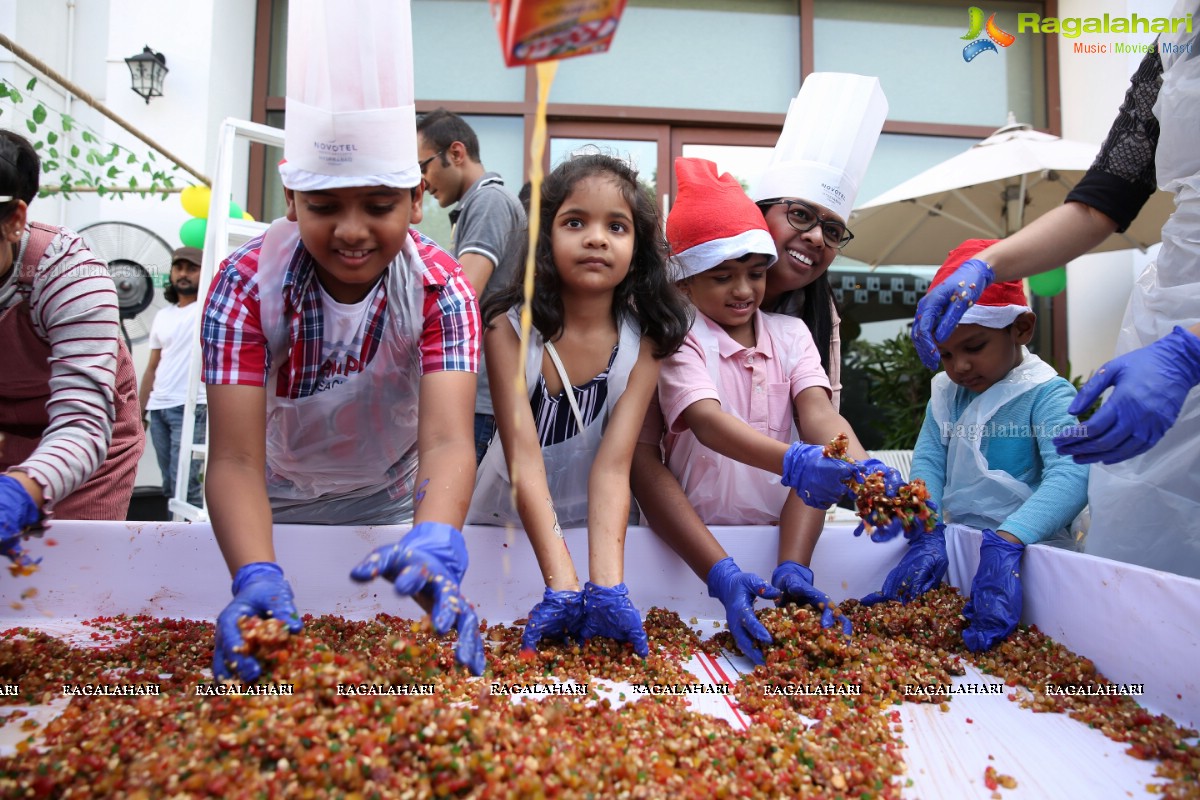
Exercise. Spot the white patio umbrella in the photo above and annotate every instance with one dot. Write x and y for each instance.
(992, 190)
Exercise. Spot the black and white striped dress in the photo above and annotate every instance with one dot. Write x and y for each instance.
(552, 414)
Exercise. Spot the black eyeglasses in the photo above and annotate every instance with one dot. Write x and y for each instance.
(425, 164)
(803, 218)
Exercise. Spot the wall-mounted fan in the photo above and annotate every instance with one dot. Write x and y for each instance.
(136, 257)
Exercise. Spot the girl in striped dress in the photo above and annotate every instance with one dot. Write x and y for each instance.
(604, 313)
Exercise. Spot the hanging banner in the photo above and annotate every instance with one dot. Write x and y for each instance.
(532, 31)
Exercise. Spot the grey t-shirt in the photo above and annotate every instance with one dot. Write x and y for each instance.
(486, 220)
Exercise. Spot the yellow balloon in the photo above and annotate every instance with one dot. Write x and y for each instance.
(246, 216)
(195, 200)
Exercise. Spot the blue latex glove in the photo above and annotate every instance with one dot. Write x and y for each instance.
(920, 569)
(259, 590)
(819, 481)
(892, 479)
(940, 310)
(737, 591)
(17, 512)
(994, 608)
(558, 616)
(608, 613)
(1150, 386)
(431, 560)
(795, 582)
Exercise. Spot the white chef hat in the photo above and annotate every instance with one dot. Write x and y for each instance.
(351, 117)
(830, 132)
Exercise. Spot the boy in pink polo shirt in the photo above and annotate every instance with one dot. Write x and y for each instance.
(733, 394)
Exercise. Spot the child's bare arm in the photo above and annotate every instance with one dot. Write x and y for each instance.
(732, 438)
(523, 453)
(445, 447)
(609, 496)
(234, 482)
(820, 422)
(669, 512)
(800, 527)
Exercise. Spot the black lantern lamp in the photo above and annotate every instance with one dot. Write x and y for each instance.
(147, 70)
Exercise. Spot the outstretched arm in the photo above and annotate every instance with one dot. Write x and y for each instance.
(608, 483)
(731, 437)
(523, 453)
(446, 447)
(234, 482)
(820, 423)
(1050, 241)
(669, 513)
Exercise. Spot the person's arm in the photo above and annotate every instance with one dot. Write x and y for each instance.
(235, 486)
(674, 520)
(820, 423)
(669, 512)
(147, 384)
(800, 527)
(1106, 199)
(683, 381)
(731, 437)
(478, 268)
(74, 304)
(608, 482)
(929, 457)
(1050, 241)
(241, 520)
(235, 373)
(483, 232)
(445, 447)
(523, 453)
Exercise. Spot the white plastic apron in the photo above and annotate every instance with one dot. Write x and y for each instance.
(356, 441)
(725, 491)
(975, 494)
(1144, 510)
(569, 463)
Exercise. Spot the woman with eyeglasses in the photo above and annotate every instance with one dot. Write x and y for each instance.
(70, 430)
(805, 196)
(808, 236)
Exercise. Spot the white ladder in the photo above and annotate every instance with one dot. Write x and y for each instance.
(222, 237)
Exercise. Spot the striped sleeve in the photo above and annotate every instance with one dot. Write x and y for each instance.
(73, 305)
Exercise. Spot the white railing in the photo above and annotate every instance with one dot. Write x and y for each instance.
(223, 236)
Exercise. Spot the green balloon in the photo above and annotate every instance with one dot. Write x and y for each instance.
(192, 232)
(235, 211)
(1049, 283)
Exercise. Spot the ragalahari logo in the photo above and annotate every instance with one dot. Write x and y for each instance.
(976, 27)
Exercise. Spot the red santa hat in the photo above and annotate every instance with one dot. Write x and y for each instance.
(1000, 303)
(713, 220)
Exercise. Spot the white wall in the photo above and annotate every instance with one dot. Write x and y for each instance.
(1092, 89)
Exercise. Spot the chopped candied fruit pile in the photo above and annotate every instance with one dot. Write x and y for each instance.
(873, 505)
(459, 740)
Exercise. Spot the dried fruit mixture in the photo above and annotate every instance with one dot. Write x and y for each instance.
(460, 740)
(874, 506)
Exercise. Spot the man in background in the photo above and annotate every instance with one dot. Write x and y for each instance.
(164, 384)
(484, 222)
